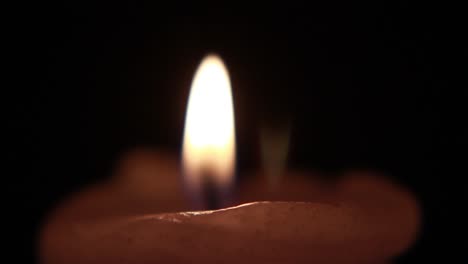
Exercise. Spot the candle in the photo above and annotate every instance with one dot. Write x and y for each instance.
(142, 214)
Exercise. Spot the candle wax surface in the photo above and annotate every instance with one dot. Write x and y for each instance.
(142, 216)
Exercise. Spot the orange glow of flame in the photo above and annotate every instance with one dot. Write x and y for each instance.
(209, 134)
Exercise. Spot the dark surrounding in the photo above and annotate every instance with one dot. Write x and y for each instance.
(365, 85)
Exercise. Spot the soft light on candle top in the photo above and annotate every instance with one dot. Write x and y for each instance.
(209, 135)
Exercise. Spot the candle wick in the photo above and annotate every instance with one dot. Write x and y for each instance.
(210, 193)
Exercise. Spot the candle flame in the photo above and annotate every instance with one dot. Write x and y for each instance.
(209, 135)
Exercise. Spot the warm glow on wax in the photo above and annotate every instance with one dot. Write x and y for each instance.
(209, 134)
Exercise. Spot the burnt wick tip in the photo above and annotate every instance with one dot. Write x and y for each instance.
(210, 194)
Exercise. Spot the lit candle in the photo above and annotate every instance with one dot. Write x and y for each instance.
(141, 216)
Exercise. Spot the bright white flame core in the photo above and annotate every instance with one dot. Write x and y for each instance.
(209, 135)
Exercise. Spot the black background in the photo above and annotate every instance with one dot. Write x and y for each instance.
(366, 85)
